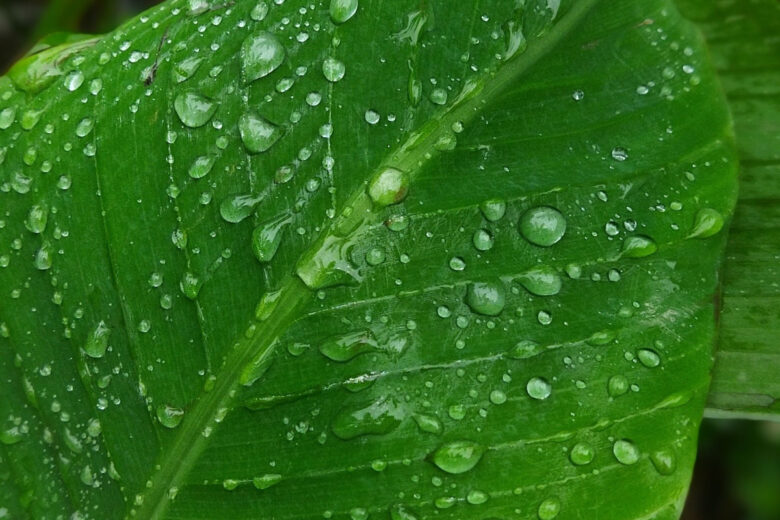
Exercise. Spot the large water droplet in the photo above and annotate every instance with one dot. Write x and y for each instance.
(708, 222)
(638, 246)
(482, 240)
(190, 285)
(582, 454)
(493, 209)
(390, 186)
(44, 257)
(428, 423)
(541, 280)
(267, 237)
(665, 461)
(201, 166)
(37, 218)
(617, 385)
(458, 457)
(380, 417)
(97, 341)
(169, 416)
(261, 54)
(342, 10)
(238, 207)
(257, 133)
(538, 388)
(543, 226)
(486, 298)
(525, 349)
(345, 347)
(194, 110)
(333, 69)
(549, 509)
(625, 452)
(185, 69)
(401, 512)
(648, 357)
(266, 481)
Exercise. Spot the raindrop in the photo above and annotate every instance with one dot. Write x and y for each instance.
(400, 512)
(375, 256)
(379, 417)
(581, 454)
(267, 237)
(238, 207)
(390, 186)
(549, 509)
(194, 110)
(493, 209)
(201, 166)
(97, 341)
(625, 452)
(458, 457)
(43, 258)
(257, 133)
(543, 226)
(457, 263)
(333, 69)
(169, 416)
(428, 423)
(617, 385)
(541, 280)
(708, 222)
(74, 80)
(372, 117)
(342, 10)
(619, 154)
(649, 357)
(259, 12)
(37, 218)
(482, 240)
(538, 388)
(487, 298)
(638, 246)
(345, 347)
(186, 68)
(665, 461)
(525, 349)
(190, 285)
(261, 54)
(266, 481)
(438, 96)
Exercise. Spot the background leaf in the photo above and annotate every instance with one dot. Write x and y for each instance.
(489, 242)
(743, 40)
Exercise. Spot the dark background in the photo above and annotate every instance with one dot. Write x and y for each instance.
(737, 475)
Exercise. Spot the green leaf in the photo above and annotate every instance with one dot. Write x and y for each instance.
(444, 259)
(742, 38)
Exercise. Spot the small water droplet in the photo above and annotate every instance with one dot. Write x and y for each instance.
(257, 133)
(390, 186)
(201, 166)
(428, 423)
(97, 341)
(619, 154)
(617, 385)
(37, 218)
(649, 357)
(525, 349)
(482, 240)
(238, 207)
(664, 461)
(344, 347)
(190, 285)
(380, 417)
(438, 96)
(541, 280)
(493, 209)
(333, 69)
(549, 509)
(581, 454)
(74, 80)
(267, 237)
(638, 246)
(169, 416)
(401, 512)
(266, 481)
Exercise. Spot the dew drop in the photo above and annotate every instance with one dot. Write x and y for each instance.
(543, 226)
(619, 154)
(581, 454)
(267, 237)
(266, 481)
(648, 357)
(74, 80)
(43, 257)
(438, 96)
(186, 68)
(344, 347)
(190, 285)
(97, 341)
(617, 385)
(525, 349)
(342, 10)
(541, 280)
(664, 461)
(487, 298)
(390, 186)
(493, 209)
(375, 256)
(538, 388)
(379, 417)
(625, 452)
(37, 218)
(482, 240)
(194, 110)
(428, 423)
(458, 457)
(261, 54)
(549, 509)
(708, 222)
(169, 416)
(257, 133)
(476, 497)
(333, 69)
(238, 207)
(401, 512)
(638, 246)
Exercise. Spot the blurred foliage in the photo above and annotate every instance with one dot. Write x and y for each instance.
(737, 475)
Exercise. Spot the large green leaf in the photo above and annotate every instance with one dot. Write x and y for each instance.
(526, 332)
(746, 51)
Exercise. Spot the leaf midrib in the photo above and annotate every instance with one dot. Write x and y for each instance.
(410, 156)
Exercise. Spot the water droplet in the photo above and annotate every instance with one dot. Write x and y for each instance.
(619, 154)
(390, 186)
(201, 166)
(267, 237)
(380, 417)
(194, 110)
(333, 69)
(477, 497)
(497, 397)
(638, 246)
(401, 512)
(601, 337)
(169, 416)
(372, 117)
(665, 461)
(43, 257)
(375, 256)
(84, 127)
(7, 116)
(97, 341)
(617, 385)
(578, 95)
(266, 481)
(549, 509)
(37, 218)
(457, 263)
(625, 452)
(541, 280)
(649, 357)
(543, 226)
(428, 423)
(581, 454)
(486, 298)
(708, 222)
(345, 347)
(257, 133)
(196, 7)
(238, 207)
(438, 96)
(74, 80)
(482, 240)
(544, 317)
(261, 54)
(342, 10)
(525, 349)
(190, 285)
(538, 388)
(186, 68)
(493, 209)
(458, 457)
